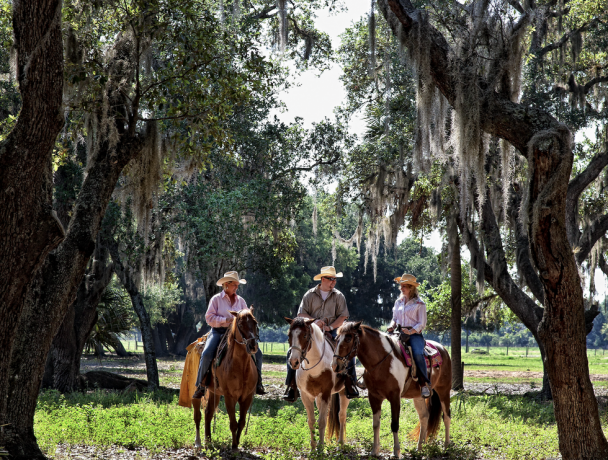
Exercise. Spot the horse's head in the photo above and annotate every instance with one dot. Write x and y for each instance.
(300, 338)
(347, 344)
(246, 325)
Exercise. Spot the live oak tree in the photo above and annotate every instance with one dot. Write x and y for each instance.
(130, 70)
(477, 69)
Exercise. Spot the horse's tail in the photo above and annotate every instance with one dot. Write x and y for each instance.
(433, 405)
(333, 422)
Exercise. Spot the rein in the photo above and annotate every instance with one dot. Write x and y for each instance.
(245, 341)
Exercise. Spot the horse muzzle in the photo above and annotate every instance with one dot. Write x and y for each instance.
(294, 363)
(337, 365)
(252, 346)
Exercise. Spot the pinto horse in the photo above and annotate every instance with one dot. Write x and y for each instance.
(235, 378)
(316, 382)
(387, 377)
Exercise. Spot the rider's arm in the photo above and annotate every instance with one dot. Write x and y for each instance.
(213, 316)
(338, 322)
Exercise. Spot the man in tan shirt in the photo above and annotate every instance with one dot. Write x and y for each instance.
(325, 304)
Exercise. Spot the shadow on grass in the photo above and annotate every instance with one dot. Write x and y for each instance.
(527, 409)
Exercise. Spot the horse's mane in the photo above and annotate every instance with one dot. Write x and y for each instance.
(232, 332)
(351, 327)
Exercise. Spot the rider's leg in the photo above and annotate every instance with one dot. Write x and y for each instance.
(206, 357)
(291, 392)
(258, 364)
(417, 344)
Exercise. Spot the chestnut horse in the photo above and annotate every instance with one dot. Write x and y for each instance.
(387, 377)
(235, 378)
(315, 379)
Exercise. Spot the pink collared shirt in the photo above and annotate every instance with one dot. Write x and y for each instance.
(219, 309)
(410, 314)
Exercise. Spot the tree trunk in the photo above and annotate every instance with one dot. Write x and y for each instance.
(147, 334)
(77, 325)
(456, 319)
(160, 341)
(29, 229)
(119, 348)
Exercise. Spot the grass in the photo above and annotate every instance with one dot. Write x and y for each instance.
(491, 426)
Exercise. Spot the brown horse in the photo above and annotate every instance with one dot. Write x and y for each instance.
(387, 377)
(315, 380)
(235, 378)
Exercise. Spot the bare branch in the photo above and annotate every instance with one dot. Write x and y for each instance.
(562, 41)
(594, 232)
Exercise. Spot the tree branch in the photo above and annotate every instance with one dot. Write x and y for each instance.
(562, 41)
(575, 188)
(593, 233)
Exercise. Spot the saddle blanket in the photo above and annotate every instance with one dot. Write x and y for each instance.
(431, 356)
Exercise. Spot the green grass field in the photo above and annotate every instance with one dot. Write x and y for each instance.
(488, 426)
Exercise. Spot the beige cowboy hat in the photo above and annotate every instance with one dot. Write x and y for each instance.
(230, 276)
(328, 271)
(407, 279)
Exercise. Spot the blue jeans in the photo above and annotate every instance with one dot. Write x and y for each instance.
(417, 344)
(291, 373)
(209, 352)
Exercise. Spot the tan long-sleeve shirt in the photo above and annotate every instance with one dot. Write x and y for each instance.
(327, 310)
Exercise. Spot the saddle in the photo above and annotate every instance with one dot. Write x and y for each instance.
(330, 340)
(432, 356)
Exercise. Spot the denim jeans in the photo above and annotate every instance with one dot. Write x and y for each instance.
(291, 373)
(417, 344)
(209, 352)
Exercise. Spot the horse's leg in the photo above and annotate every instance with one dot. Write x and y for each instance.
(376, 405)
(322, 405)
(196, 403)
(310, 414)
(445, 406)
(213, 401)
(243, 408)
(343, 406)
(395, 401)
(231, 409)
(423, 416)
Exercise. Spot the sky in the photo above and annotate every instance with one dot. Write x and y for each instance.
(328, 90)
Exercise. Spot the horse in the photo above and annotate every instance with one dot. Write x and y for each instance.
(235, 378)
(387, 377)
(317, 383)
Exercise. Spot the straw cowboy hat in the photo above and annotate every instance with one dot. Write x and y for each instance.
(231, 276)
(407, 279)
(328, 271)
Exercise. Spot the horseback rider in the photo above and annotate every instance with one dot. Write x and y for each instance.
(409, 312)
(218, 316)
(325, 304)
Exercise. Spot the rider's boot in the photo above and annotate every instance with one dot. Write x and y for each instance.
(425, 391)
(200, 392)
(291, 393)
(259, 389)
(350, 387)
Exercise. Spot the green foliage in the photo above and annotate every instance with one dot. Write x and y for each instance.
(161, 300)
(494, 426)
(114, 317)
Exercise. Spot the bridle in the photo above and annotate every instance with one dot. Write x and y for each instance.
(255, 338)
(353, 351)
(307, 349)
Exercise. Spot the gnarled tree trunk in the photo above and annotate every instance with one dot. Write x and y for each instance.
(77, 325)
(28, 227)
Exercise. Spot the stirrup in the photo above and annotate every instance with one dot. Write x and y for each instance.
(200, 392)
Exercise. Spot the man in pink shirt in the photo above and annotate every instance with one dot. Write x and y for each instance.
(218, 316)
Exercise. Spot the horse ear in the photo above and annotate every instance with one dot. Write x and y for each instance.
(233, 313)
(358, 326)
(289, 320)
(309, 321)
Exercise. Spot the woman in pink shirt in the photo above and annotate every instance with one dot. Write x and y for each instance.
(218, 316)
(409, 312)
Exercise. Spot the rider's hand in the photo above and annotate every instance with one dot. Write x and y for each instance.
(320, 323)
(326, 328)
(390, 329)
